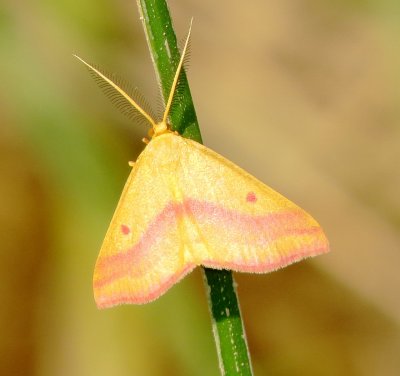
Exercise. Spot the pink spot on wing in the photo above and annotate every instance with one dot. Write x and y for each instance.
(251, 197)
(125, 229)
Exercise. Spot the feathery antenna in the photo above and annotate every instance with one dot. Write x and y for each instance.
(106, 82)
(177, 74)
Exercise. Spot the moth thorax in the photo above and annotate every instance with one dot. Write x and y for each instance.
(160, 128)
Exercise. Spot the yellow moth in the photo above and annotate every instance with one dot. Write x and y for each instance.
(183, 206)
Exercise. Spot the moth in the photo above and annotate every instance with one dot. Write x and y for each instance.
(185, 205)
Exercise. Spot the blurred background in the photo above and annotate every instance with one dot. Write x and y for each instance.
(304, 94)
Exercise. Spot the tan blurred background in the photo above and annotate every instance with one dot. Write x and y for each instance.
(303, 93)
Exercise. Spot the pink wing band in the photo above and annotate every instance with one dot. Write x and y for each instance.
(122, 263)
(124, 298)
(267, 266)
(267, 228)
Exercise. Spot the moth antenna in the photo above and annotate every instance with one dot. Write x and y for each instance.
(160, 106)
(188, 53)
(177, 74)
(118, 95)
(180, 89)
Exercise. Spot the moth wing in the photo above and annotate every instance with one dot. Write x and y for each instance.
(238, 222)
(143, 253)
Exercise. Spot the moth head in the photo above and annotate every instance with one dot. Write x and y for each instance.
(160, 128)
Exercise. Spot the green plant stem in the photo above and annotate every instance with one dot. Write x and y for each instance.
(165, 54)
(230, 338)
(228, 329)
